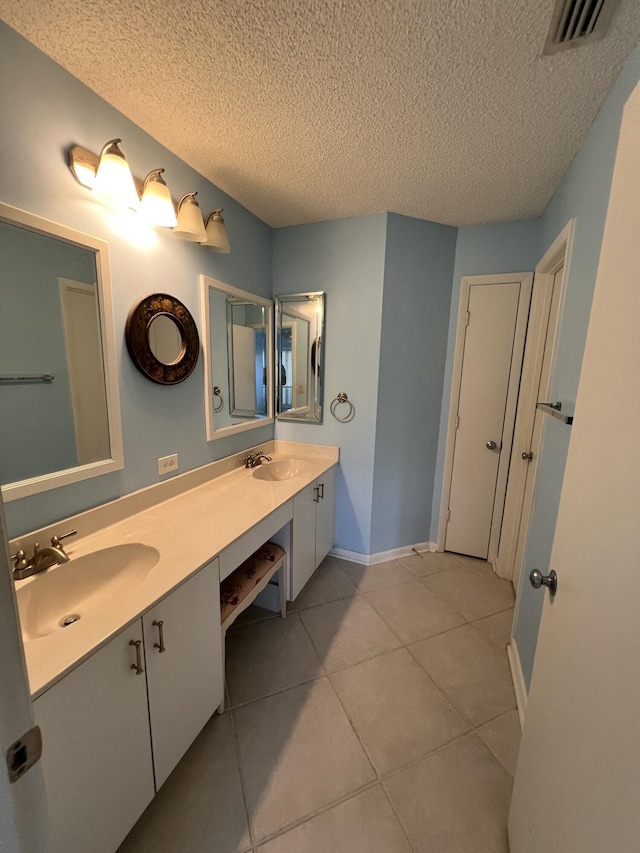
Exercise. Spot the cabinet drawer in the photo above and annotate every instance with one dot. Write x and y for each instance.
(249, 542)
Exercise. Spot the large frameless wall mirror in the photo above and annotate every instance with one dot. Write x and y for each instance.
(237, 340)
(299, 355)
(59, 401)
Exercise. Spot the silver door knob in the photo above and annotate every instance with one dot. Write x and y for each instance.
(538, 580)
(491, 445)
(527, 456)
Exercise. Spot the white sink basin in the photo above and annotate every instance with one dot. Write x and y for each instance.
(283, 469)
(68, 592)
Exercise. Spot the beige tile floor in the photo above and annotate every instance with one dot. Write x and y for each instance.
(378, 717)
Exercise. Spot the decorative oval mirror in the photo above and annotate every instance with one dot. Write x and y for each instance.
(162, 339)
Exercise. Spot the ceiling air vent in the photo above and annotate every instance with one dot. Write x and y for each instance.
(576, 22)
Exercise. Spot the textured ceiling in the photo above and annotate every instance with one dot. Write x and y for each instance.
(438, 109)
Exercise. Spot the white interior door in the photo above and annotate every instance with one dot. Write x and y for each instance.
(81, 321)
(488, 380)
(577, 785)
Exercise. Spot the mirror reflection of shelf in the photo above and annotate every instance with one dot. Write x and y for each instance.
(555, 410)
(26, 377)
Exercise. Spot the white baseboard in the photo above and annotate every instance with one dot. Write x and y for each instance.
(517, 677)
(381, 556)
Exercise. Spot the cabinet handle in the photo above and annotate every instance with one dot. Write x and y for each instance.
(317, 493)
(160, 626)
(321, 494)
(138, 664)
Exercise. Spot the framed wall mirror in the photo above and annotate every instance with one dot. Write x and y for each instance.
(59, 400)
(299, 356)
(237, 341)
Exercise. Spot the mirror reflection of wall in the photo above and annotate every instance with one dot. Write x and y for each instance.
(49, 326)
(238, 340)
(165, 339)
(299, 331)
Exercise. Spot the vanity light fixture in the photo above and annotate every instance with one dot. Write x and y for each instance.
(113, 176)
(216, 232)
(109, 174)
(156, 205)
(190, 225)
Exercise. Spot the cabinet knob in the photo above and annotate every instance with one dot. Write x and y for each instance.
(138, 664)
(160, 626)
(321, 491)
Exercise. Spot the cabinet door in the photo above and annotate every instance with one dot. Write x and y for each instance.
(303, 545)
(96, 757)
(184, 679)
(325, 514)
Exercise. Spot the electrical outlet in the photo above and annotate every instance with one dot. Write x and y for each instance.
(168, 464)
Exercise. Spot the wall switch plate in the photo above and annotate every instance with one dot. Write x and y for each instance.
(168, 464)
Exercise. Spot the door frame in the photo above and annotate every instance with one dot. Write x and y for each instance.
(24, 820)
(525, 279)
(537, 372)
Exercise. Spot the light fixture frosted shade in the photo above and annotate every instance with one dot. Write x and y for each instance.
(156, 205)
(113, 176)
(190, 225)
(217, 237)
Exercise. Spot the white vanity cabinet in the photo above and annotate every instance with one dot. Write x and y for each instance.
(184, 666)
(102, 723)
(96, 755)
(313, 529)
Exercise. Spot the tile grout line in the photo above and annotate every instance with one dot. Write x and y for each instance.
(322, 810)
(444, 692)
(248, 702)
(398, 818)
(473, 728)
(242, 781)
(353, 729)
(477, 618)
(344, 710)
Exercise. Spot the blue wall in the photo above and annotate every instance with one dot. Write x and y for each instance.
(345, 258)
(45, 111)
(583, 194)
(418, 274)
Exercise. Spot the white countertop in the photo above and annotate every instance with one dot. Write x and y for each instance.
(188, 531)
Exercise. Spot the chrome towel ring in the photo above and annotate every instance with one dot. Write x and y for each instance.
(342, 398)
(216, 393)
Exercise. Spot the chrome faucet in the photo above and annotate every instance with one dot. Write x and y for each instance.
(255, 459)
(43, 558)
